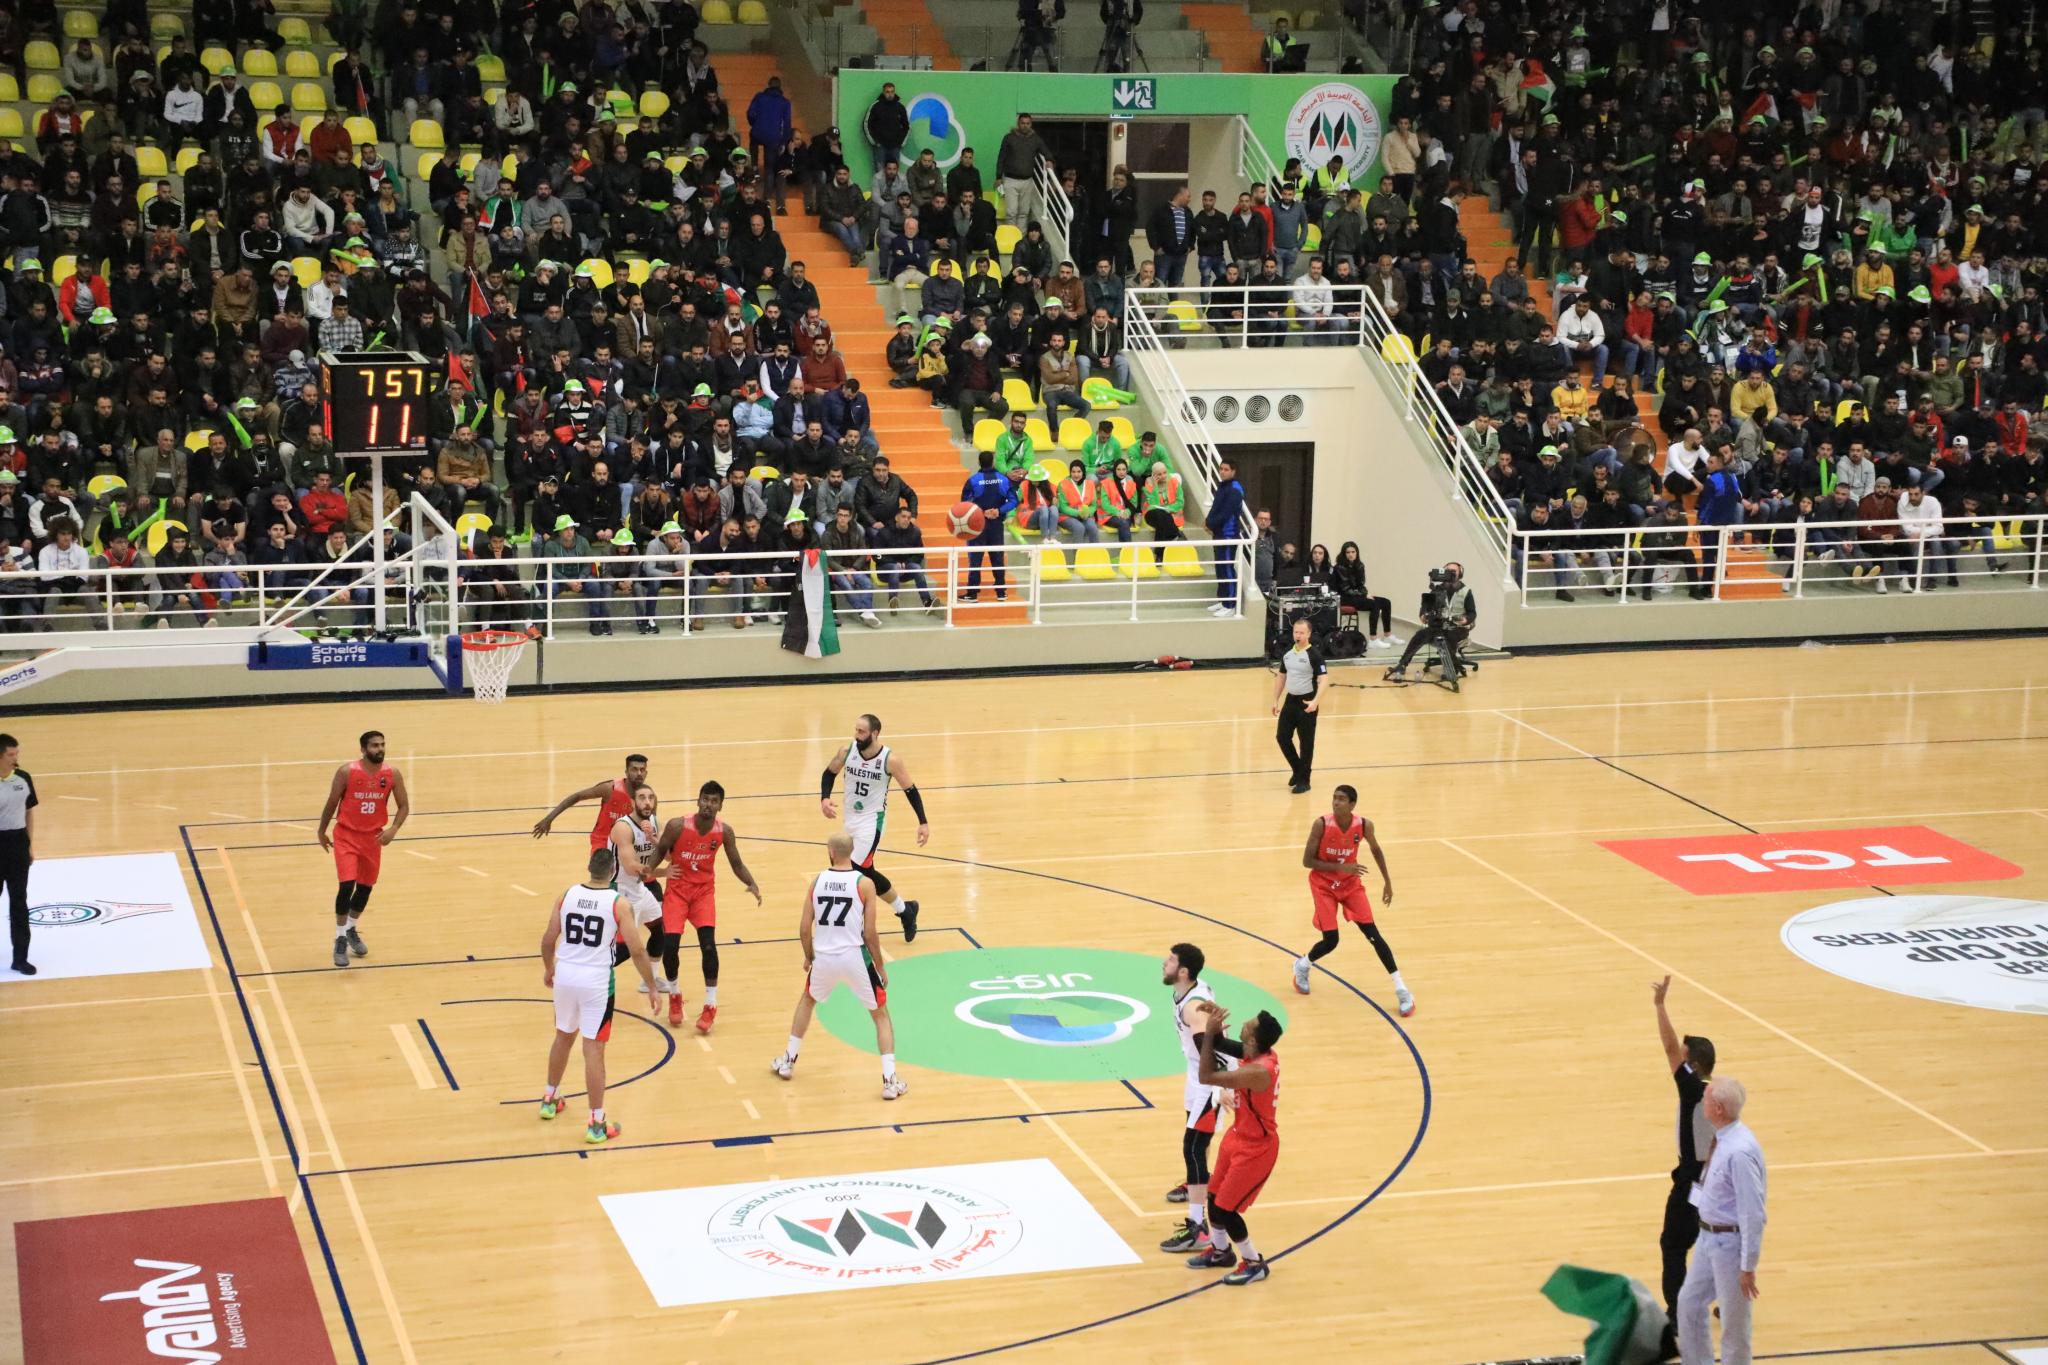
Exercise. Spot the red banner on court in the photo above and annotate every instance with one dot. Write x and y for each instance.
(1810, 859)
(205, 1283)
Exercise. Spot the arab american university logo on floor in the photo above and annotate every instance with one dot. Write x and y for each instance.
(1044, 1014)
(68, 914)
(865, 1226)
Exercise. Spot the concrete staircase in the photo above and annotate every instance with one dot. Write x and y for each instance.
(908, 29)
(1232, 36)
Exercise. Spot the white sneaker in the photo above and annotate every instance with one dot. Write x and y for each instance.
(893, 1086)
(782, 1066)
(868, 618)
(1908, 586)
(1301, 976)
(1881, 588)
(1405, 1001)
(1218, 609)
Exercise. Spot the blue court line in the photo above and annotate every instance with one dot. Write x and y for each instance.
(1134, 1090)
(291, 1144)
(740, 1140)
(437, 1055)
(668, 1039)
(535, 957)
(1988, 1343)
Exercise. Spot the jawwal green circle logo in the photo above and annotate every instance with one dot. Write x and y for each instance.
(1037, 1014)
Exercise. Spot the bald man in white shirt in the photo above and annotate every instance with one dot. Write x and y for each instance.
(1730, 1198)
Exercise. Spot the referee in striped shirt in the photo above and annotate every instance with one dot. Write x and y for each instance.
(17, 827)
(1297, 693)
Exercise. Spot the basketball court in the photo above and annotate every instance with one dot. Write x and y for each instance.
(1562, 834)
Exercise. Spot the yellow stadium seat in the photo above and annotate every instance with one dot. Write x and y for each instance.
(600, 272)
(985, 433)
(764, 473)
(188, 157)
(1097, 391)
(1073, 432)
(305, 269)
(492, 94)
(100, 485)
(509, 167)
(10, 92)
(160, 531)
(1397, 350)
(1308, 19)
(43, 87)
(165, 24)
(266, 95)
(1182, 561)
(334, 59)
(1314, 238)
(425, 133)
(11, 124)
(1007, 237)
(293, 29)
(425, 168)
(216, 59)
(675, 161)
(490, 68)
(467, 163)
(151, 161)
(1091, 562)
(360, 129)
(470, 524)
(259, 61)
(301, 65)
(41, 55)
(1135, 561)
(1051, 470)
(309, 98)
(654, 103)
(144, 192)
(638, 268)
(1039, 432)
(1052, 565)
(1183, 312)
(1125, 433)
(715, 12)
(80, 23)
(752, 12)
(199, 438)
(1017, 394)
(62, 269)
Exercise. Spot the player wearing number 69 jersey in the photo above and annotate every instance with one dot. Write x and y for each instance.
(836, 921)
(576, 950)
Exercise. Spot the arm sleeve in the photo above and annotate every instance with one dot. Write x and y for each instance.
(825, 783)
(916, 801)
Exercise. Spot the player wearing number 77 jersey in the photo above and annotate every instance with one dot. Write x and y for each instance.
(588, 921)
(870, 765)
(841, 948)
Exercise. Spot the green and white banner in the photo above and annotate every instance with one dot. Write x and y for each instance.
(1314, 117)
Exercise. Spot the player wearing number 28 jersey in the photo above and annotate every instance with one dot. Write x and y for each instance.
(836, 922)
(588, 922)
(364, 795)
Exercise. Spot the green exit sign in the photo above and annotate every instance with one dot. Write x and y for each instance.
(1131, 96)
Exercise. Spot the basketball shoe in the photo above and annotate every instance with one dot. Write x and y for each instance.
(599, 1132)
(783, 1066)
(1405, 1001)
(705, 1018)
(1211, 1258)
(1248, 1272)
(355, 943)
(551, 1105)
(675, 1011)
(1187, 1237)
(894, 1086)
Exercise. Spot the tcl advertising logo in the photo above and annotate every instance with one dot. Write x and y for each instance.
(1810, 859)
(202, 1285)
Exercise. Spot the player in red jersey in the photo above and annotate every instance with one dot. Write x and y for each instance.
(690, 845)
(365, 794)
(615, 795)
(1332, 862)
(1251, 1147)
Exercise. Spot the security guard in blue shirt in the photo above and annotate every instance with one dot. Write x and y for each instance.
(991, 491)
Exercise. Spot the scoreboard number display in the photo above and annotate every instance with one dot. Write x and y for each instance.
(376, 402)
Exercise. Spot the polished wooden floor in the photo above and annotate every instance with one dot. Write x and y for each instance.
(1908, 1140)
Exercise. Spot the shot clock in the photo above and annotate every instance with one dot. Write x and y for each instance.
(376, 401)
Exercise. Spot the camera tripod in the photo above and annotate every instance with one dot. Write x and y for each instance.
(1121, 51)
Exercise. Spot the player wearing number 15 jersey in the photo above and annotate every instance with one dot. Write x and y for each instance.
(870, 765)
(836, 921)
(576, 948)
(364, 795)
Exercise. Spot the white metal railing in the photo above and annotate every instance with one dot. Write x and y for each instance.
(1179, 415)
(1055, 211)
(1159, 319)
(1107, 581)
(1558, 565)
(1255, 165)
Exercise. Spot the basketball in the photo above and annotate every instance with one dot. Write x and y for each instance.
(967, 520)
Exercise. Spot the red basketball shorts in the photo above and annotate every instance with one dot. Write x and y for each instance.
(357, 856)
(681, 905)
(1357, 905)
(1241, 1172)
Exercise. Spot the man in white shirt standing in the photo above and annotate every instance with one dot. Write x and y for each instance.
(1921, 525)
(1730, 1199)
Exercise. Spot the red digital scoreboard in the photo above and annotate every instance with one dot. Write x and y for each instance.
(376, 401)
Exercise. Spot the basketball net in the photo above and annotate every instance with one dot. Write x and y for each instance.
(489, 656)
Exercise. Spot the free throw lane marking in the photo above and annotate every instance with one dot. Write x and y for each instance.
(410, 1051)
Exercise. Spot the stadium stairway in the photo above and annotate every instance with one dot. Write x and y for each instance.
(1233, 38)
(915, 436)
(908, 29)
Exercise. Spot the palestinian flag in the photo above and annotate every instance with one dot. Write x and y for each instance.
(1628, 1322)
(808, 626)
(1536, 83)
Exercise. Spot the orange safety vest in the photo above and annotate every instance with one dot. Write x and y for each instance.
(1172, 482)
(1029, 500)
(1080, 496)
(1122, 493)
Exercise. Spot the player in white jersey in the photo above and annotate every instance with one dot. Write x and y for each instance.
(1192, 1000)
(589, 920)
(632, 840)
(870, 766)
(842, 949)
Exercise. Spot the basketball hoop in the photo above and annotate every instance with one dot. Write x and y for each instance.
(488, 658)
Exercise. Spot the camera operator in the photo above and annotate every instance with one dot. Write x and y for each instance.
(1037, 21)
(1119, 18)
(1448, 611)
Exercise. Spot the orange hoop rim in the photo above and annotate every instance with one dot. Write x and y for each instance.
(483, 641)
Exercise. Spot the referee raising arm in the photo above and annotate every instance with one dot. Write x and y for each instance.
(1297, 692)
(1692, 1066)
(17, 829)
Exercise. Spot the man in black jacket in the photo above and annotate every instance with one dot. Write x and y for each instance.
(887, 125)
(1171, 235)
